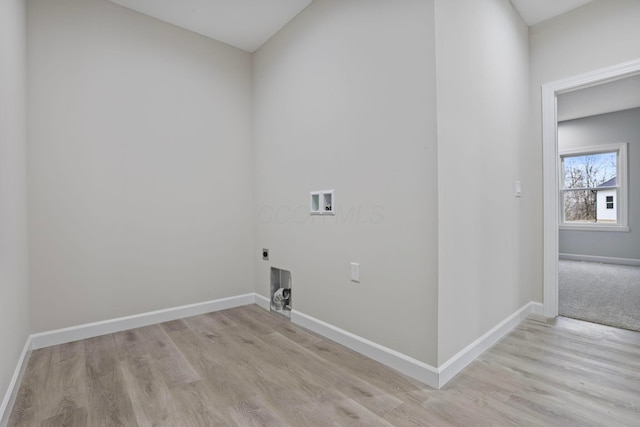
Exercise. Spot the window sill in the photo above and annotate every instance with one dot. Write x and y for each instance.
(614, 228)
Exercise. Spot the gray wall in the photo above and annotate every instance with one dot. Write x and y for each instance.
(622, 126)
(14, 291)
(344, 99)
(140, 178)
(618, 95)
(489, 245)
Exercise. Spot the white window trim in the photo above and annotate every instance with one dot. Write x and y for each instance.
(621, 181)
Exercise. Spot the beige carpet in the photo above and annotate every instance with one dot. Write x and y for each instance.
(600, 293)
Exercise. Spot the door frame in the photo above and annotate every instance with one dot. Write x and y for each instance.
(550, 91)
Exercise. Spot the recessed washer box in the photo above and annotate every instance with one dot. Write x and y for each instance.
(322, 203)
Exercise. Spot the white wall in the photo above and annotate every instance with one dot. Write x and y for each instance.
(140, 179)
(489, 265)
(612, 128)
(14, 291)
(345, 99)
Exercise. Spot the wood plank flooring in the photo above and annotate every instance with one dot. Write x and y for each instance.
(248, 367)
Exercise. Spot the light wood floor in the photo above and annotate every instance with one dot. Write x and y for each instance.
(247, 367)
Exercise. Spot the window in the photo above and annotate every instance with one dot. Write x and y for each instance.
(593, 188)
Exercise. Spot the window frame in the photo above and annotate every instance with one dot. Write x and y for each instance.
(621, 187)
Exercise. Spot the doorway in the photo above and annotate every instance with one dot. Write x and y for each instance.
(552, 217)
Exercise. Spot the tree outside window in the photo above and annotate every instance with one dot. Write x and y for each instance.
(582, 175)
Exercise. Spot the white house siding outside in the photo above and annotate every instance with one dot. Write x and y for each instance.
(604, 214)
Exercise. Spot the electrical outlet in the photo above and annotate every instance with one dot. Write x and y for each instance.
(265, 254)
(355, 272)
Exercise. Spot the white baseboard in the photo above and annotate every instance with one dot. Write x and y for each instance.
(603, 259)
(263, 302)
(90, 330)
(464, 357)
(14, 385)
(434, 377)
(394, 359)
(537, 308)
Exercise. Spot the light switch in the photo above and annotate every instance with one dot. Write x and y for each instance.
(355, 272)
(518, 189)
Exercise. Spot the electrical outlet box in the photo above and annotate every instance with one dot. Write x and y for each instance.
(265, 254)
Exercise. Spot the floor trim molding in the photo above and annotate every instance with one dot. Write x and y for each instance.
(602, 259)
(394, 359)
(430, 375)
(464, 357)
(263, 302)
(90, 330)
(14, 385)
(95, 329)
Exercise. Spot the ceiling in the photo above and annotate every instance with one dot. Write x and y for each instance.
(247, 24)
(535, 11)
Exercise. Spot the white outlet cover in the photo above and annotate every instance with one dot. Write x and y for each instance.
(355, 272)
